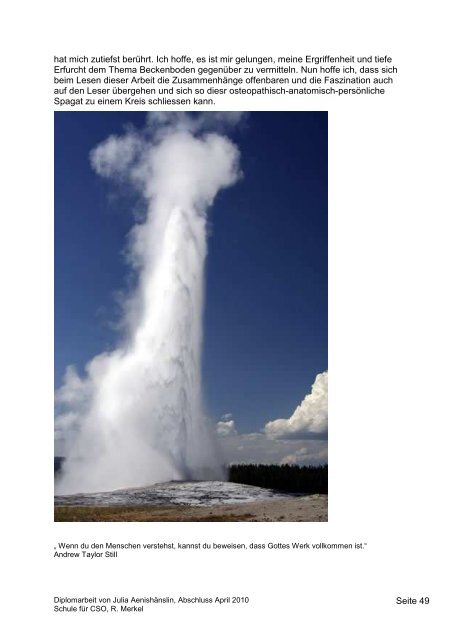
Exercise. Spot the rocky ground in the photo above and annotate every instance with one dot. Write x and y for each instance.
(310, 508)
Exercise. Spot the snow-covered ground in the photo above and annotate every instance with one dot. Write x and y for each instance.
(176, 493)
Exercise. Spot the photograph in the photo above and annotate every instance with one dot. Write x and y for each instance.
(191, 316)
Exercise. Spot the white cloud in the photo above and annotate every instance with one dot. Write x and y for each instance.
(295, 457)
(259, 449)
(226, 426)
(309, 419)
(304, 456)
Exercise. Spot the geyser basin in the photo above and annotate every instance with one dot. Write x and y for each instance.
(174, 493)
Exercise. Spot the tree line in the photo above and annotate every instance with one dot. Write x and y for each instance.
(282, 477)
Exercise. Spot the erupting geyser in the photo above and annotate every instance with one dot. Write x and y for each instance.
(136, 417)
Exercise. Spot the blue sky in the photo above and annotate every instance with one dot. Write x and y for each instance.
(265, 322)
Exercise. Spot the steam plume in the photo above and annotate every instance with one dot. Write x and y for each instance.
(136, 417)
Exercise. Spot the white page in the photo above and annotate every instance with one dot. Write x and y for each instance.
(389, 345)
